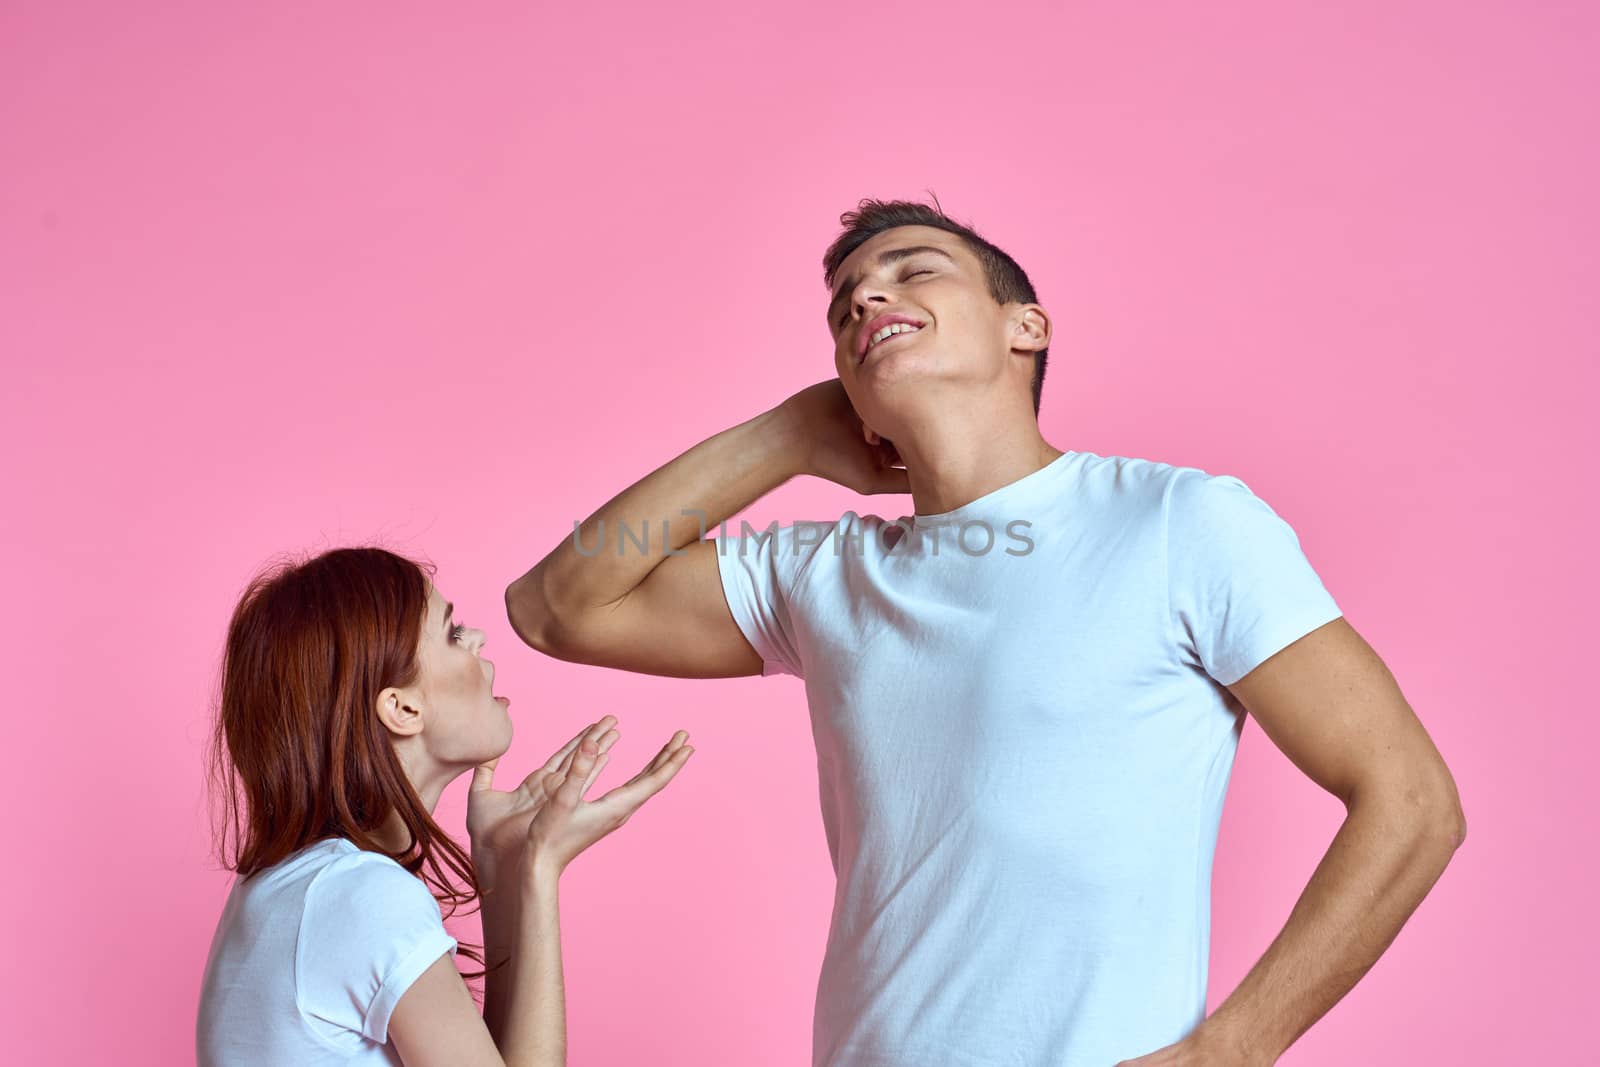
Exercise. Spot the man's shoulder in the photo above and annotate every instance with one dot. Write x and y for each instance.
(1129, 473)
(1119, 488)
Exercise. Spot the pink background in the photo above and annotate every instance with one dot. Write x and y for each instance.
(284, 277)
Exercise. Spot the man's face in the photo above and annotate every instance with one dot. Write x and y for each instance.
(911, 308)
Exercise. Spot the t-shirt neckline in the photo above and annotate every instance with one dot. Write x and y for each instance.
(996, 495)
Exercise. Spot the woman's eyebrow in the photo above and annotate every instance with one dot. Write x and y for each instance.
(449, 609)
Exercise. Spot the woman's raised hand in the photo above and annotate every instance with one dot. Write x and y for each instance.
(497, 820)
(567, 823)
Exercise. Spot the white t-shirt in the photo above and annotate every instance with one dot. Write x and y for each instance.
(1023, 743)
(311, 956)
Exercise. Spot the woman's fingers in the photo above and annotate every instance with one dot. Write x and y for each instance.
(676, 742)
(628, 797)
(604, 741)
(555, 762)
(577, 779)
(599, 765)
(483, 776)
(567, 825)
(658, 778)
(545, 779)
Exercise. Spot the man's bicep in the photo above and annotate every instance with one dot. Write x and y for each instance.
(436, 1022)
(675, 623)
(1333, 708)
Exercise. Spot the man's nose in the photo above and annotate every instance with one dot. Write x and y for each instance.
(868, 296)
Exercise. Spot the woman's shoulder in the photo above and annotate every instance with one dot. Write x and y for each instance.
(334, 874)
(356, 877)
(368, 928)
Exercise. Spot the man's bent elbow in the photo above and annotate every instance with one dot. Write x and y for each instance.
(1426, 811)
(1448, 823)
(528, 616)
(1457, 826)
(1453, 819)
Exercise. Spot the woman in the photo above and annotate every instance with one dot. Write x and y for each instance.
(349, 699)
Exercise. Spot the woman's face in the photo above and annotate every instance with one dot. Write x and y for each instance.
(463, 722)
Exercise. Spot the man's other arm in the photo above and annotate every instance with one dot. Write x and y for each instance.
(1332, 706)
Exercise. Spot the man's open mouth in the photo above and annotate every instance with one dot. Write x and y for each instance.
(883, 328)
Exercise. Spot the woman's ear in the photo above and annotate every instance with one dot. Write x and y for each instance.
(396, 713)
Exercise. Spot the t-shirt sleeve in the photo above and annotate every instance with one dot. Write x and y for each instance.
(1239, 587)
(759, 570)
(369, 929)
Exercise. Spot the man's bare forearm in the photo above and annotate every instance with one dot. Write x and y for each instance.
(1385, 858)
(672, 506)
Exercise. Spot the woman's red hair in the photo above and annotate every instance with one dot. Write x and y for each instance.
(298, 752)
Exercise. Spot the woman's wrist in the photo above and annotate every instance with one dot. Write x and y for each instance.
(539, 876)
(492, 869)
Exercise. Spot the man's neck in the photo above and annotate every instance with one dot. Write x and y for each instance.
(956, 460)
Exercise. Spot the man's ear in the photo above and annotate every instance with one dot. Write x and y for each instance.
(396, 713)
(883, 445)
(1030, 328)
(891, 454)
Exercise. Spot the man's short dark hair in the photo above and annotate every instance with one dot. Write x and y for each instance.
(1007, 281)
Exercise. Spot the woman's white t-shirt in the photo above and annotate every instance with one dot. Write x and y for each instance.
(311, 956)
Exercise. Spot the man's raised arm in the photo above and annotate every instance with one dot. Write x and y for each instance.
(657, 606)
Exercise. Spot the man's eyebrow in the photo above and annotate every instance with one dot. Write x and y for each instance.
(886, 257)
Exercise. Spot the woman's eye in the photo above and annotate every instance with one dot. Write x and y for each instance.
(914, 273)
(457, 631)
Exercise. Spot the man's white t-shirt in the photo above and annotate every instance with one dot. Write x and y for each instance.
(311, 956)
(1023, 743)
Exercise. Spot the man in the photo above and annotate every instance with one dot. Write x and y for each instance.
(1026, 696)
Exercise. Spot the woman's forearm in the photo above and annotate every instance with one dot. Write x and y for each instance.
(499, 909)
(533, 1027)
